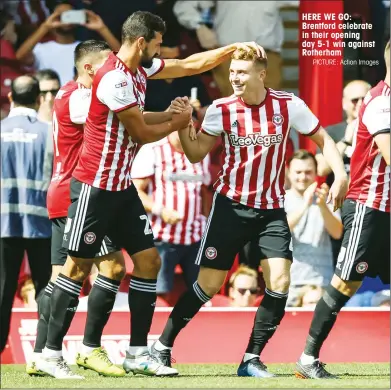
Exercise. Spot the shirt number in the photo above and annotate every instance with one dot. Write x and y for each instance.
(147, 229)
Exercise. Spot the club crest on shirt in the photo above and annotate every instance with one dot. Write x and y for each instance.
(211, 253)
(278, 119)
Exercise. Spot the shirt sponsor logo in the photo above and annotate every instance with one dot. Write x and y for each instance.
(122, 84)
(255, 139)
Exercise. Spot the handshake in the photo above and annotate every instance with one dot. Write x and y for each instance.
(182, 111)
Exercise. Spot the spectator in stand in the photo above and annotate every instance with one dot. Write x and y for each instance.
(312, 222)
(258, 21)
(381, 299)
(57, 54)
(9, 65)
(49, 85)
(308, 296)
(29, 15)
(243, 287)
(342, 133)
(171, 189)
(113, 12)
(26, 169)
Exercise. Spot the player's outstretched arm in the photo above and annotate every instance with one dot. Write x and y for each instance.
(134, 123)
(333, 158)
(155, 118)
(202, 62)
(196, 149)
(383, 143)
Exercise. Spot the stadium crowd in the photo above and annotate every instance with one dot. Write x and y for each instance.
(35, 41)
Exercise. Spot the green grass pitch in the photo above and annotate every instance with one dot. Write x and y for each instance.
(352, 375)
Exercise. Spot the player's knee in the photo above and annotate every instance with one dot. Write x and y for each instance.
(211, 280)
(279, 283)
(118, 271)
(147, 264)
(77, 268)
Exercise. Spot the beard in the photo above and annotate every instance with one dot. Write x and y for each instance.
(146, 60)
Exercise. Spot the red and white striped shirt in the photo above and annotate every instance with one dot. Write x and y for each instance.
(108, 151)
(70, 111)
(369, 173)
(176, 185)
(255, 142)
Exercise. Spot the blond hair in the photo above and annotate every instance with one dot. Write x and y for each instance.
(249, 55)
(243, 270)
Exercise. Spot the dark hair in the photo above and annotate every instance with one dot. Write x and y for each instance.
(25, 90)
(89, 47)
(47, 74)
(302, 154)
(142, 24)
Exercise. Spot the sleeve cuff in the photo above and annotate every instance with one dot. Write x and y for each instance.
(382, 131)
(159, 70)
(141, 177)
(202, 130)
(313, 131)
(125, 107)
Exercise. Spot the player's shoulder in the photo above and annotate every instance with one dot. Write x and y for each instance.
(112, 69)
(280, 95)
(224, 101)
(377, 96)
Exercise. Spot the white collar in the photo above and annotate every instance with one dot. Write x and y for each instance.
(16, 111)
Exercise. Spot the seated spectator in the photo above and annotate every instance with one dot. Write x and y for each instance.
(49, 84)
(237, 21)
(308, 296)
(381, 299)
(312, 223)
(57, 54)
(243, 287)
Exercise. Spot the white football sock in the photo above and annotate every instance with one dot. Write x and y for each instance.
(160, 347)
(306, 359)
(51, 353)
(86, 350)
(135, 351)
(249, 356)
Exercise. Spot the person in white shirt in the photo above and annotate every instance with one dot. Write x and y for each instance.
(57, 54)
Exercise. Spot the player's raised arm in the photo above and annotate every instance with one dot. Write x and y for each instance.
(304, 121)
(377, 120)
(202, 62)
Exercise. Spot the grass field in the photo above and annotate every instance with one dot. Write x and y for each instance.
(353, 375)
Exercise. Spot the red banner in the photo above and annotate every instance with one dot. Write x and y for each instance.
(359, 336)
(320, 62)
